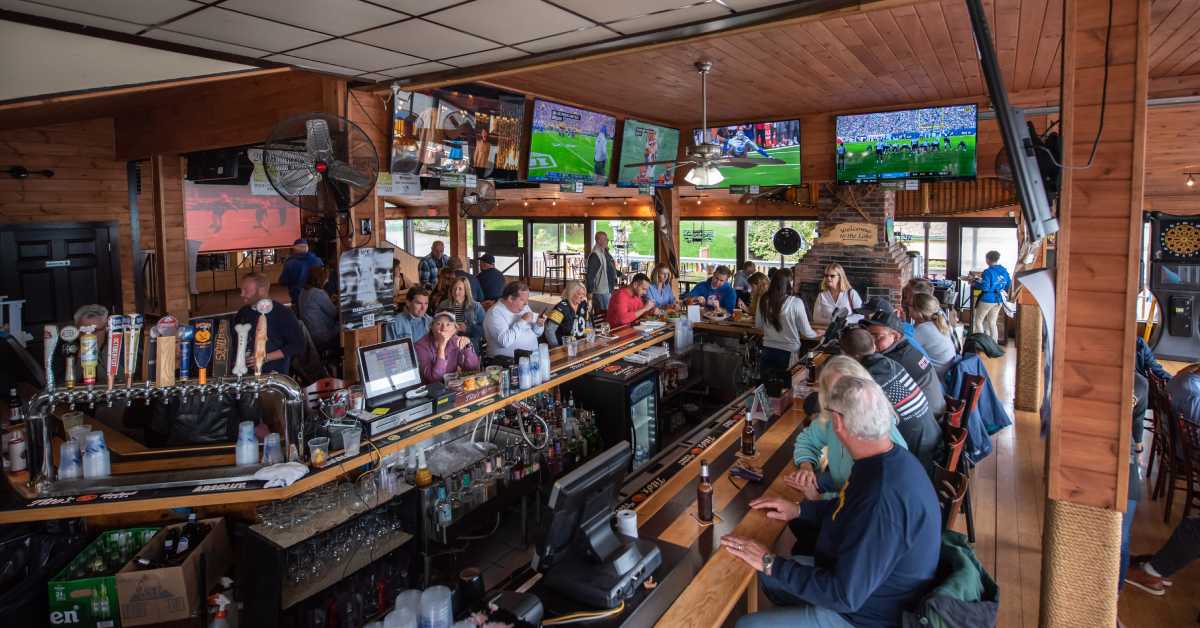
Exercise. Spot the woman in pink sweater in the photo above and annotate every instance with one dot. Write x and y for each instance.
(443, 351)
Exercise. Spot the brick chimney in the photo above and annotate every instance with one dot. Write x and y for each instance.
(880, 266)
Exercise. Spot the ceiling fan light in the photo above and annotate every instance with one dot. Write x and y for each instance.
(1191, 181)
(704, 176)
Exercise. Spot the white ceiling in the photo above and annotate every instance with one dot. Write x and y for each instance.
(392, 38)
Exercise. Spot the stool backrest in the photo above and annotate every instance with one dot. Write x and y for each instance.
(953, 415)
(956, 438)
(951, 487)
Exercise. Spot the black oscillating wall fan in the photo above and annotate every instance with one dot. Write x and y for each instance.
(320, 163)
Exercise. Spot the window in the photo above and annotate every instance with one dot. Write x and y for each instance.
(928, 239)
(425, 231)
(555, 237)
(393, 231)
(760, 247)
(508, 264)
(631, 242)
(707, 243)
(977, 241)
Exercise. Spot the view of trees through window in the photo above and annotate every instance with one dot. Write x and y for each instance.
(760, 245)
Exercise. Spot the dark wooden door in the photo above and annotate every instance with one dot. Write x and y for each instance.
(57, 268)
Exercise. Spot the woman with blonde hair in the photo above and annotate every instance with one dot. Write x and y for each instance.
(819, 436)
(758, 286)
(468, 313)
(836, 294)
(932, 331)
(570, 317)
(661, 290)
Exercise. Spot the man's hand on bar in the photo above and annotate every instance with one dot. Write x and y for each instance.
(777, 508)
(748, 550)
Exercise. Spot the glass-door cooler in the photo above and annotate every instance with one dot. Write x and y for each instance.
(625, 399)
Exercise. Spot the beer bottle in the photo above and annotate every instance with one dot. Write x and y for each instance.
(704, 495)
(748, 448)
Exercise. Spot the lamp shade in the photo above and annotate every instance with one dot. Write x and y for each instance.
(704, 176)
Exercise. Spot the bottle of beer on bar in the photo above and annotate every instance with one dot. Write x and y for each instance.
(704, 495)
(748, 448)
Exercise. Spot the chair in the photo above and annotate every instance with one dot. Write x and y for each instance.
(321, 390)
(575, 268)
(1157, 422)
(555, 275)
(951, 488)
(1185, 474)
(955, 437)
(953, 416)
(972, 386)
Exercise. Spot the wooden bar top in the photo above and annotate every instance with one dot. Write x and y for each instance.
(627, 341)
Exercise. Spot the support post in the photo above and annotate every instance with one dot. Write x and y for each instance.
(457, 246)
(666, 231)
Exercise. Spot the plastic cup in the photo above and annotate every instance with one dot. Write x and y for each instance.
(352, 440)
(318, 450)
(71, 420)
(572, 347)
(79, 433)
(70, 461)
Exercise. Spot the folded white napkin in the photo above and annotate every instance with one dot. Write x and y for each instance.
(282, 474)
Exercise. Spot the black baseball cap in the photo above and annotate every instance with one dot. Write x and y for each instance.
(875, 304)
(488, 258)
(886, 318)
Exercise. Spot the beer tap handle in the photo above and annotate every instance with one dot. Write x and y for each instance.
(264, 306)
(133, 337)
(243, 336)
(49, 342)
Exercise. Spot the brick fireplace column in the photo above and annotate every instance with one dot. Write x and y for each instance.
(877, 264)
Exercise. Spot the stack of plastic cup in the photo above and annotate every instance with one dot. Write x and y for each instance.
(435, 608)
(96, 460)
(544, 360)
(400, 617)
(272, 449)
(70, 461)
(246, 450)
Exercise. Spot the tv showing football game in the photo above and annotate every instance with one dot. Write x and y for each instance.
(931, 143)
(570, 144)
(642, 142)
(469, 129)
(780, 140)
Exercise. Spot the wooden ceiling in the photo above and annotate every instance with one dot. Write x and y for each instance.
(914, 52)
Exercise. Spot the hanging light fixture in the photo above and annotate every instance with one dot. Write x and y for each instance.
(704, 176)
(1191, 180)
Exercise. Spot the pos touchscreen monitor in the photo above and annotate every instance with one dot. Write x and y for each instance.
(387, 370)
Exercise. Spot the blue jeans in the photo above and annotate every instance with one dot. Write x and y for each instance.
(1126, 525)
(600, 301)
(800, 616)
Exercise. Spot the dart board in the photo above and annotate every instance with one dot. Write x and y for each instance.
(1180, 240)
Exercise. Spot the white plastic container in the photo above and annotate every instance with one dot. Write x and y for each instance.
(544, 360)
(435, 608)
(523, 374)
(96, 460)
(401, 617)
(246, 450)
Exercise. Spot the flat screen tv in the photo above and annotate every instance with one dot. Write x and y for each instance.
(780, 140)
(467, 129)
(931, 143)
(570, 144)
(237, 217)
(642, 142)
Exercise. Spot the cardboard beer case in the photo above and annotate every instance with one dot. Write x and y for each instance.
(89, 602)
(152, 596)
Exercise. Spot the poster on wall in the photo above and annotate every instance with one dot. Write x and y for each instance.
(233, 218)
(367, 287)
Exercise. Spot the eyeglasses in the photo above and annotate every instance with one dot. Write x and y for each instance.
(831, 276)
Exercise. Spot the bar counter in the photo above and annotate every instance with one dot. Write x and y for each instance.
(24, 506)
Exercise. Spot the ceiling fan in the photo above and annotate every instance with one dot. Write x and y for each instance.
(705, 159)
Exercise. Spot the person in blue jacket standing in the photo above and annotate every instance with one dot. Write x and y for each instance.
(991, 283)
(295, 269)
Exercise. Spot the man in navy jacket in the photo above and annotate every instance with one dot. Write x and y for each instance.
(877, 550)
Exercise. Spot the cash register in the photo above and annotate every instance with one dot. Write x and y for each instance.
(392, 387)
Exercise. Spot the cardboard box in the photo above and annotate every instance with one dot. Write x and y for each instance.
(172, 593)
(89, 602)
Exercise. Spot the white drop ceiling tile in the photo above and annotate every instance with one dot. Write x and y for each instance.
(138, 11)
(74, 17)
(236, 28)
(424, 39)
(336, 17)
(670, 18)
(610, 10)
(747, 5)
(373, 77)
(566, 40)
(420, 68)
(509, 21)
(417, 7)
(487, 56)
(314, 65)
(201, 42)
(354, 55)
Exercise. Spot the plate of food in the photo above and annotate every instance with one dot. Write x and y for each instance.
(718, 315)
(652, 324)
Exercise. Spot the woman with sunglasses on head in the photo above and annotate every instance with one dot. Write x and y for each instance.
(836, 294)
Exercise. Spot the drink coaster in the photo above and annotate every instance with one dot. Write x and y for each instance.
(705, 524)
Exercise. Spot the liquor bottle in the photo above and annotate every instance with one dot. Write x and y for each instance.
(14, 407)
(748, 448)
(169, 547)
(704, 495)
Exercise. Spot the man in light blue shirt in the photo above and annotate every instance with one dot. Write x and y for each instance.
(413, 322)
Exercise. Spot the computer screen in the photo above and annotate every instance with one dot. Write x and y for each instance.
(388, 368)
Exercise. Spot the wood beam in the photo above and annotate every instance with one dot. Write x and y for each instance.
(457, 246)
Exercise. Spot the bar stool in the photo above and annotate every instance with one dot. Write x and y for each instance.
(555, 275)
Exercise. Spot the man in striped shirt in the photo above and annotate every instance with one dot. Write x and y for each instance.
(915, 420)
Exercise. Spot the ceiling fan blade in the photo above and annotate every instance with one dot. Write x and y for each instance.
(346, 173)
(746, 162)
(650, 163)
(318, 142)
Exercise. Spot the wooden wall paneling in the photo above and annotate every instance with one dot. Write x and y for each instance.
(170, 238)
(457, 245)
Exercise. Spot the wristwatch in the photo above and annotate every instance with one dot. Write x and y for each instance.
(768, 563)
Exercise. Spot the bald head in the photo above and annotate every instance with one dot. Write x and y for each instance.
(857, 343)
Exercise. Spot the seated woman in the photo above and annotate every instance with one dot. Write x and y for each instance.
(443, 351)
(441, 289)
(661, 292)
(819, 438)
(932, 331)
(468, 313)
(570, 317)
(836, 294)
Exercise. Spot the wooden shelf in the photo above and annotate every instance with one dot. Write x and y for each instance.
(321, 523)
(295, 593)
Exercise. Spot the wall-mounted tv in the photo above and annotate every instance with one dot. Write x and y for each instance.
(642, 142)
(570, 144)
(466, 129)
(930, 143)
(780, 140)
(234, 217)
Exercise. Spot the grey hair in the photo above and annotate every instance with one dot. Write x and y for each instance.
(866, 411)
(834, 369)
(92, 310)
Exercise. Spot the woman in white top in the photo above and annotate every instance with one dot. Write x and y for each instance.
(784, 322)
(836, 294)
(932, 331)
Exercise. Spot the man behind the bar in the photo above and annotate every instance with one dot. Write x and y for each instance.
(888, 331)
(629, 303)
(285, 340)
(295, 269)
(510, 325)
(491, 280)
(877, 550)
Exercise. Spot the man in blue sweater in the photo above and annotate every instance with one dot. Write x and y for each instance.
(991, 283)
(295, 269)
(877, 550)
(716, 292)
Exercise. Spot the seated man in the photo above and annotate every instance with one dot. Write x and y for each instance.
(510, 325)
(880, 304)
(1153, 574)
(412, 322)
(285, 339)
(916, 423)
(877, 549)
(629, 303)
(491, 280)
(714, 293)
(888, 333)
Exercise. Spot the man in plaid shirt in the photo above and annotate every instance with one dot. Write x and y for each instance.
(433, 263)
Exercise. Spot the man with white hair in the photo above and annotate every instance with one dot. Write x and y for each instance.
(877, 550)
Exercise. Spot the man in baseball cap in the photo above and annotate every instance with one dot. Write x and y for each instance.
(887, 330)
(491, 280)
(881, 304)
